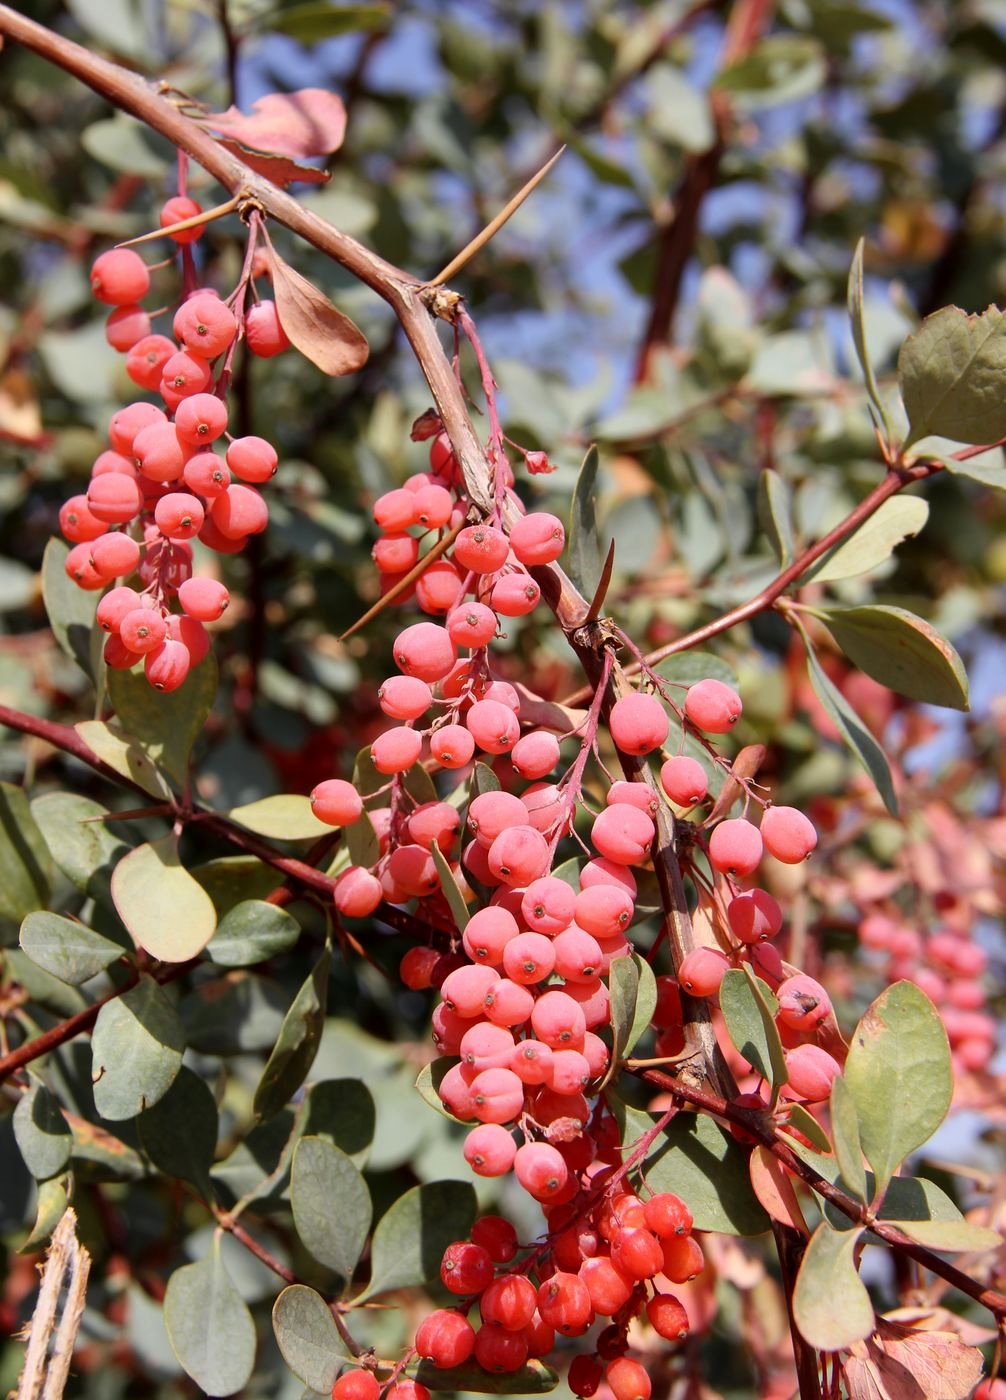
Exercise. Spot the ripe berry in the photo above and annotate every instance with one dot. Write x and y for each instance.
(173, 211)
(416, 968)
(519, 855)
(667, 1317)
(515, 595)
(407, 1390)
(609, 1288)
(466, 1268)
(396, 750)
(538, 538)
(666, 1215)
(335, 801)
(585, 1375)
(563, 1302)
(78, 566)
(239, 511)
(125, 326)
(115, 555)
(434, 505)
(356, 1385)
(200, 420)
(119, 277)
(497, 1095)
(205, 599)
(494, 726)
(445, 1338)
(713, 706)
(540, 1169)
(684, 780)
(489, 1150)
(811, 1072)
(77, 523)
(509, 1302)
(498, 1351)
(264, 335)
(548, 904)
(488, 932)
(507, 1003)
(683, 1258)
(558, 1020)
(114, 498)
(142, 629)
(481, 548)
(167, 665)
(627, 1380)
(357, 892)
(604, 910)
(425, 650)
(638, 723)
(471, 625)
(535, 754)
(702, 970)
(125, 425)
(735, 847)
(636, 1251)
(623, 834)
(204, 324)
(788, 834)
(159, 453)
(146, 360)
(184, 373)
(404, 697)
(179, 516)
(452, 746)
(754, 916)
(803, 1003)
(496, 1236)
(529, 958)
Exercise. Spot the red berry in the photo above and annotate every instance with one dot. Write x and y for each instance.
(666, 1214)
(811, 1072)
(251, 458)
(541, 1170)
(125, 326)
(788, 834)
(585, 1375)
(564, 1303)
(356, 1385)
(119, 277)
(627, 1380)
(115, 555)
(466, 1268)
(713, 706)
(179, 516)
(200, 420)
(146, 360)
(77, 523)
(204, 324)
(754, 916)
(509, 1301)
(498, 1351)
(205, 599)
(702, 970)
(425, 650)
(337, 802)
(167, 665)
(496, 1236)
(538, 538)
(239, 511)
(803, 1003)
(174, 211)
(667, 1317)
(445, 1338)
(264, 335)
(481, 548)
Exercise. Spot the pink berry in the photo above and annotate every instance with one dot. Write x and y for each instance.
(515, 595)
(146, 360)
(185, 373)
(713, 706)
(264, 335)
(125, 326)
(540, 1169)
(529, 958)
(159, 453)
(481, 548)
(684, 780)
(507, 1003)
(200, 419)
(78, 566)
(702, 970)
(439, 588)
(114, 498)
(204, 324)
(396, 750)
(803, 1003)
(519, 855)
(472, 625)
(495, 727)
(192, 634)
(337, 802)
(638, 723)
(811, 1072)
(623, 834)
(640, 795)
(434, 506)
(464, 989)
(577, 954)
(601, 871)
(754, 916)
(487, 933)
(115, 605)
(735, 847)
(142, 629)
(493, 812)
(535, 754)
(548, 904)
(788, 834)
(395, 510)
(204, 598)
(425, 650)
(119, 277)
(357, 892)
(239, 511)
(604, 910)
(174, 211)
(77, 523)
(497, 1095)
(115, 555)
(485, 1046)
(179, 516)
(435, 821)
(404, 697)
(452, 745)
(125, 425)
(167, 665)
(558, 1020)
(538, 538)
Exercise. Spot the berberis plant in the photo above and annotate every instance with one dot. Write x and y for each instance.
(630, 780)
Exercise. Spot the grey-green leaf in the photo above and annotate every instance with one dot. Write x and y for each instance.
(331, 1205)
(451, 890)
(42, 1133)
(853, 731)
(831, 1306)
(845, 1131)
(307, 1336)
(585, 553)
(70, 610)
(901, 651)
(701, 1162)
(25, 863)
(412, 1235)
(633, 989)
(209, 1326)
(295, 1049)
(775, 514)
(534, 1378)
(165, 726)
(951, 374)
(179, 1133)
(899, 1076)
(70, 951)
(79, 839)
(251, 932)
(874, 542)
(857, 323)
(950, 1236)
(750, 1025)
(136, 1050)
(342, 1110)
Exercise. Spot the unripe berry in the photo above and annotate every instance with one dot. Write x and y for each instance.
(788, 834)
(638, 723)
(684, 780)
(264, 335)
(119, 277)
(558, 1020)
(577, 954)
(604, 910)
(713, 706)
(174, 211)
(498, 1096)
(519, 855)
(538, 538)
(735, 847)
(336, 801)
(548, 905)
(702, 970)
(811, 1072)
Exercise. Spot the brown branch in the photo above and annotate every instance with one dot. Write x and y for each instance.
(757, 1125)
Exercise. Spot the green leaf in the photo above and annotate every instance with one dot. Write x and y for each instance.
(165, 725)
(179, 1133)
(907, 1197)
(251, 932)
(209, 1325)
(230, 880)
(166, 911)
(286, 817)
(42, 1133)
(120, 143)
(857, 323)
(50, 1207)
(899, 1076)
(313, 21)
(331, 1205)
(362, 842)
(633, 990)
(677, 111)
(853, 730)
(412, 1235)
(136, 1051)
(483, 779)
(987, 468)
(293, 1054)
(535, 1378)
(751, 1027)
(775, 514)
(901, 651)
(70, 951)
(585, 555)
(71, 611)
(782, 68)
(428, 1085)
(951, 374)
(845, 1131)
(451, 889)
(687, 667)
(806, 1123)
(125, 755)
(342, 1110)
(831, 1306)
(308, 1338)
(950, 1236)
(25, 862)
(874, 542)
(79, 840)
(701, 1162)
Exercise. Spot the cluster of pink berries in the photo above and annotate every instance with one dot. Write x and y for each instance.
(161, 483)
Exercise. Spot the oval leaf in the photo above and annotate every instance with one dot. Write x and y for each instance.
(848, 1148)
(331, 1205)
(42, 1133)
(165, 726)
(166, 911)
(874, 542)
(318, 329)
(70, 610)
(853, 731)
(210, 1328)
(857, 322)
(451, 889)
(751, 1027)
(585, 555)
(343, 1111)
(411, 1237)
(307, 1336)
(901, 651)
(251, 932)
(950, 1236)
(125, 755)
(899, 1076)
(701, 1162)
(81, 843)
(633, 990)
(535, 1378)
(285, 817)
(293, 1054)
(179, 1133)
(775, 515)
(951, 373)
(831, 1306)
(308, 122)
(70, 951)
(25, 862)
(136, 1051)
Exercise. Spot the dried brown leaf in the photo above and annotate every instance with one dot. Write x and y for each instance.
(908, 1363)
(318, 329)
(281, 170)
(310, 122)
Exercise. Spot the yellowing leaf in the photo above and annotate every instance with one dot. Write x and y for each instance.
(166, 911)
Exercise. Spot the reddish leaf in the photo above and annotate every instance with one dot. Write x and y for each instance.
(318, 329)
(281, 170)
(773, 1187)
(906, 1363)
(311, 122)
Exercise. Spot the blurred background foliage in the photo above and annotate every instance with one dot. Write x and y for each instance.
(694, 362)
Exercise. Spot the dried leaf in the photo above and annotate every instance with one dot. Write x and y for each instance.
(309, 122)
(318, 329)
(281, 170)
(906, 1363)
